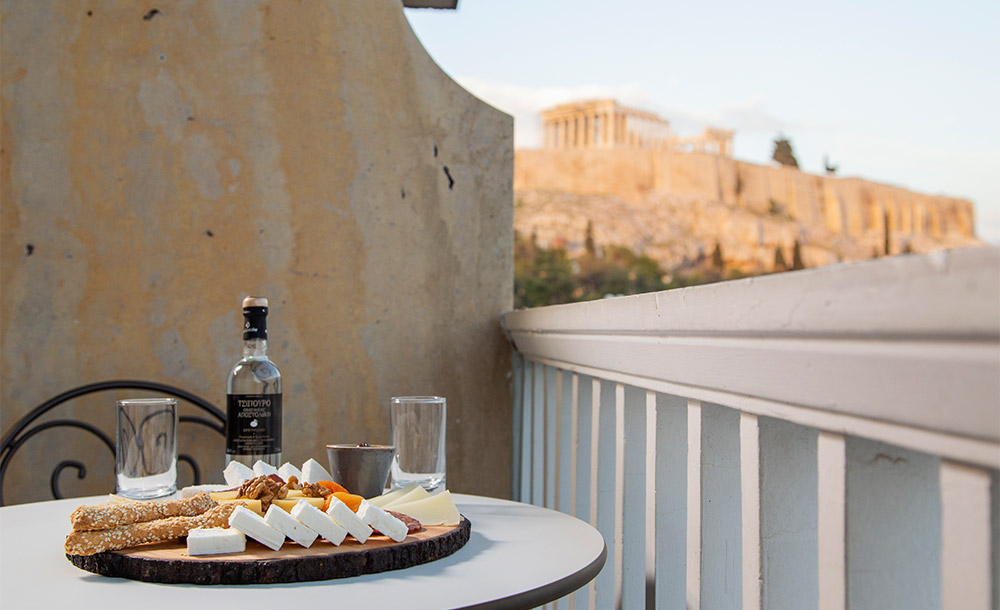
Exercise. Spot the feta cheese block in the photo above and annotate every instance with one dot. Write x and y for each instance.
(391, 496)
(382, 521)
(287, 525)
(417, 493)
(253, 525)
(214, 540)
(438, 509)
(236, 472)
(287, 470)
(262, 468)
(313, 472)
(346, 518)
(318, 521)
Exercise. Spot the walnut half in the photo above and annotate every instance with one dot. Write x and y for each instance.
(264, 488)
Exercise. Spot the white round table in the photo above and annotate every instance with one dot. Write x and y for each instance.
(518, 555)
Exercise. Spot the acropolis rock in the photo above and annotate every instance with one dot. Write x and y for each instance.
(675, 198)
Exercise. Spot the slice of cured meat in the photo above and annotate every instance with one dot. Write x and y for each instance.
(412, 525)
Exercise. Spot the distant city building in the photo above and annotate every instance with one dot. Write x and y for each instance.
(608, 124)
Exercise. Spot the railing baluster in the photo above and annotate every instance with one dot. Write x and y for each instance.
(634, 498)
(517, 365)
(831, 481)
(604, 503)
(527, 415)
(693, 578)
(650, 495)
(567, 443)
(582, 503)
(538, 436)
(551, 435)
(966, 531)
(721, 540)
(750, 509)
(671, 477)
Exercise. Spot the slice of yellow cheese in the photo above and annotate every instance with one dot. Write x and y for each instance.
(220, 496)
(386, 498)
(253, 505)
(438, 509)
(286, 504)
(294, 493)
(417, 493)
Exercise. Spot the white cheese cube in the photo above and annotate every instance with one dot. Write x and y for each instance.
(287, 470)
(214, 540)
(262, 468)
(313, 472)
(236, 472)
(253, 525)
(318, 521)
(284, 523)
(382, 521)
(348, 520)
(438, 509)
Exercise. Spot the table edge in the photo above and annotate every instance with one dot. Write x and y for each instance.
(550, 592)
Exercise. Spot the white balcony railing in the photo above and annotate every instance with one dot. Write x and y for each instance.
(821, 439)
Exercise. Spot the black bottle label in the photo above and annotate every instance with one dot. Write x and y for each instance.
(254, 323)
(253, 424)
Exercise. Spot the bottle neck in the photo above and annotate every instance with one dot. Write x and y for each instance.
(255, 348)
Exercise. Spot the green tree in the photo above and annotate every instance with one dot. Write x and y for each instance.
(542, 276)
(783, 152)
(779, 260)
(797, 262)
(588, 239)
(717, 261)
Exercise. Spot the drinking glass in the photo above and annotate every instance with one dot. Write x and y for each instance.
(418, 433)
(146, 447)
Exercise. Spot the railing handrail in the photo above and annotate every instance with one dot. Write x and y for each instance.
(904, 350)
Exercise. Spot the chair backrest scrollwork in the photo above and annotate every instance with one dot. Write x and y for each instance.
(28, 427)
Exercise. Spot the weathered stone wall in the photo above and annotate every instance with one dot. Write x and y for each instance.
(159, 165)
(846, 206)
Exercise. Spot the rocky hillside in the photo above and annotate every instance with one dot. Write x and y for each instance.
(675, 208)
(681, 231)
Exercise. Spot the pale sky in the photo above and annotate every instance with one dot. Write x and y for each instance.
(905, 93)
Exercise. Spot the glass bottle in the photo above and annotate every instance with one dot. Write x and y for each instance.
(253, 395)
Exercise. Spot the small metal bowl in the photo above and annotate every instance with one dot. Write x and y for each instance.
(361, 469)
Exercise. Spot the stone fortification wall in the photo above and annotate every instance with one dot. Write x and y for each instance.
(159, 165)
(849, 207)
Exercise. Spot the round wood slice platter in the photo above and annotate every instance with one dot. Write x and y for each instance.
(168, 562)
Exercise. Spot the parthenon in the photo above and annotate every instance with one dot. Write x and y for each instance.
(608, 124)
(602, 124)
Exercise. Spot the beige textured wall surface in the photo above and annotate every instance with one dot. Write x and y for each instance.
(158, 166)
(847, 206)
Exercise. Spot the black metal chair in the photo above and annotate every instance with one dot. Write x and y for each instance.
(28, 426)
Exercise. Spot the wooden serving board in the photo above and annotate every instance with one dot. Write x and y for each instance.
(168, 562)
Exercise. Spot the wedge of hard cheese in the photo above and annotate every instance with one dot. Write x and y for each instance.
(438, 509)
(386, 498)
(417, 493)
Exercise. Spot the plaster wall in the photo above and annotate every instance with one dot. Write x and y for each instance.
(159, 165)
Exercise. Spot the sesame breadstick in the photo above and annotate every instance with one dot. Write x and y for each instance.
(104, 516)
(97, 541)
